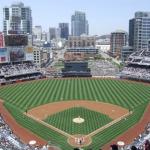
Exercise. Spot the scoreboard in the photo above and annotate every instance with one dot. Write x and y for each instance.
(16, 53)
(16, 40)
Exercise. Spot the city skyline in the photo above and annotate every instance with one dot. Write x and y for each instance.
(104, 16)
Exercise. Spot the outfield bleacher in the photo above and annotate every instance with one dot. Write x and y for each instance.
(137, 67)
(18, 71)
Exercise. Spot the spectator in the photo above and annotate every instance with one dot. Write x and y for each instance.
(114, 147)
(133, 148)
(147, 145)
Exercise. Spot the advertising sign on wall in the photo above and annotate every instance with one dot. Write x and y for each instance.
(16, 53)
(3, 55)
(29, 53)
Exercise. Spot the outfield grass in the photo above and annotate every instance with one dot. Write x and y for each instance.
(32, 94)
(19, 97)
(64, 120)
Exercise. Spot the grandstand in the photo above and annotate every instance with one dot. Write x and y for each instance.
(9, 141)
(138, 66)
(142, 141)
(103, 68)
(18, 71)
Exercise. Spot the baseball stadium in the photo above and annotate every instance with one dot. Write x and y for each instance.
(90, 113)
(78, 92)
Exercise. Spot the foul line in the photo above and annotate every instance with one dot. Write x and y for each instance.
(50, 126)
(109, 124)
(89, 135)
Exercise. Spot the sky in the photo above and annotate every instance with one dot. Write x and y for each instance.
(104, 16)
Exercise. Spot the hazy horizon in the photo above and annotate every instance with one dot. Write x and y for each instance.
(104, 16)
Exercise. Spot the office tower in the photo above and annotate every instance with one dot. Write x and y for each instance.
(118, 39)
(140, 31)
(1, 40)
(87, 28)
(17, 19)
(54, 33)
(79, 24)
(149, 45)
(44, 36)
(37, 33)
(64, 30)
(131, 32)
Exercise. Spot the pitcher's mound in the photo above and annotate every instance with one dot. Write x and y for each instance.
(78, 120)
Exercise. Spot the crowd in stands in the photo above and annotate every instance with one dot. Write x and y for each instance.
(138, 66)
(142, 142)
(17, 69)
(103, 68)
(136, 73)
(21, 71)
(9, 141)
(51, 72)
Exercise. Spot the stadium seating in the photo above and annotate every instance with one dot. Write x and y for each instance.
(138, 66)
(142, 142)
(136, 72)
(18, 71)
(9, 141)
(103, 68)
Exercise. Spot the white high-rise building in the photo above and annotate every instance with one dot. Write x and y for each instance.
(44, 36)
(139, 31)
(17, 19)
(37, 33)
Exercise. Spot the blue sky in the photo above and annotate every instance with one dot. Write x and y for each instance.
(104, 16)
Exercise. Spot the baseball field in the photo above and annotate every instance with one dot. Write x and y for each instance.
(105, 107)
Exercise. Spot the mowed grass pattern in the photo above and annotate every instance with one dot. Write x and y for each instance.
(64, 120)
(133, 96)
(39, 129)
(35, 93)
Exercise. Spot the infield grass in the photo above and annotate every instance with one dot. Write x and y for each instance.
(64, 120)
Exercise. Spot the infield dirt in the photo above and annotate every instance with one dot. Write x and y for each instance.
(113, 111)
